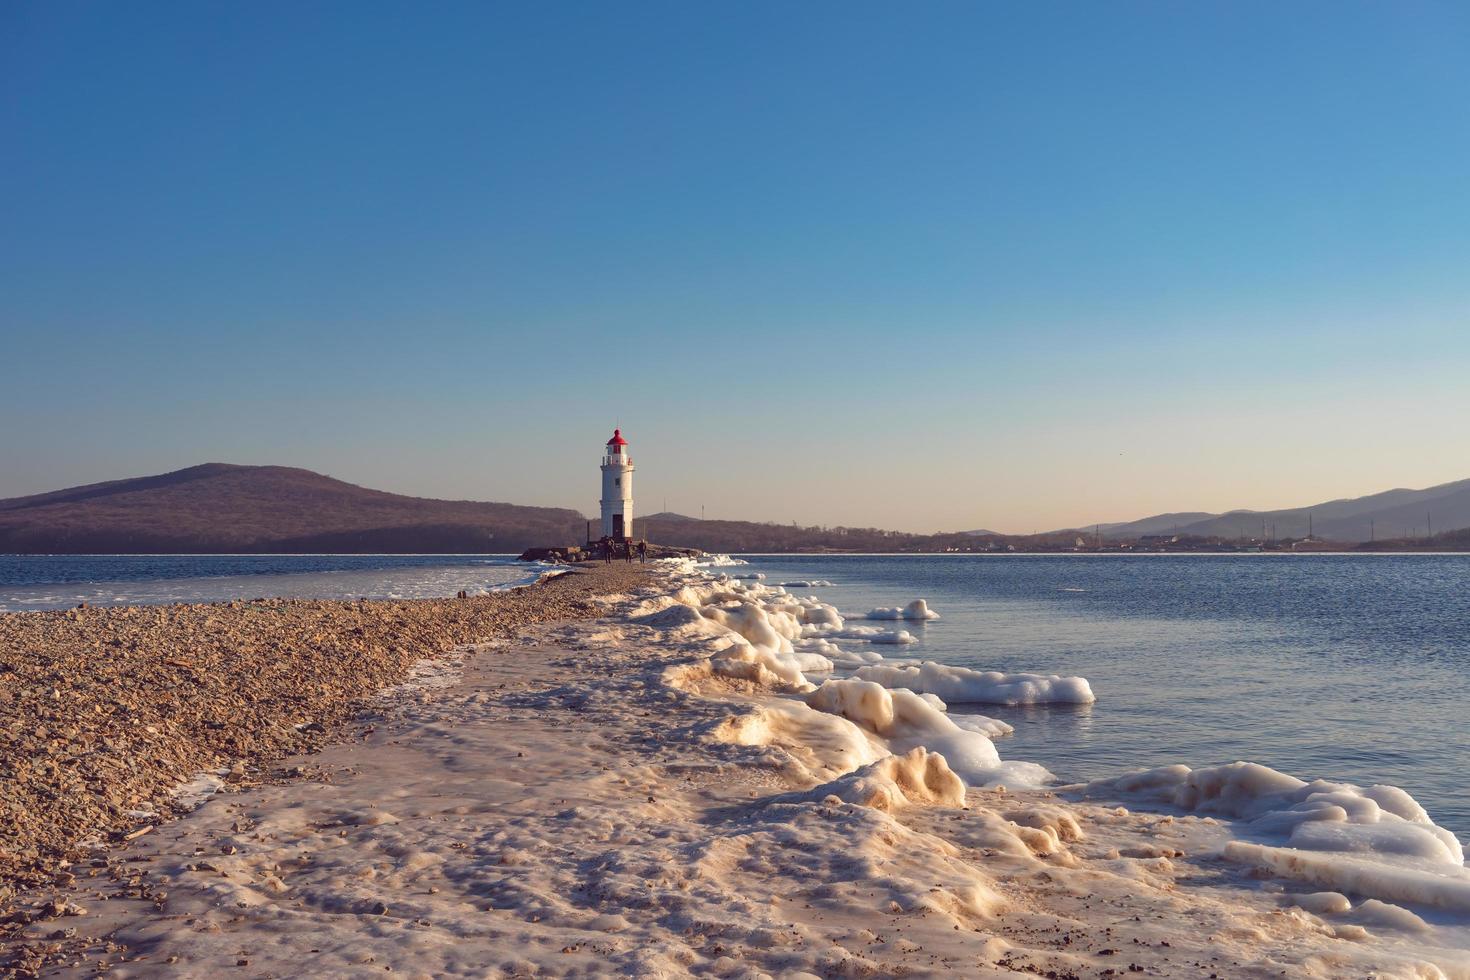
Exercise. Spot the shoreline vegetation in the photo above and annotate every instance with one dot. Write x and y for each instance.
(647, 772)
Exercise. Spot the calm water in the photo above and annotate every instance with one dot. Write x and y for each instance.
(1346, 667)
(29, 582)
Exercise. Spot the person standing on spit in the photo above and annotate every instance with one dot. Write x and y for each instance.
(643, 552)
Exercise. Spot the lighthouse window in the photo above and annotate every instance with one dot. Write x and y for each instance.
(617, 481)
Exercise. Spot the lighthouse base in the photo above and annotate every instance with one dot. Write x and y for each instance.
(571, 554)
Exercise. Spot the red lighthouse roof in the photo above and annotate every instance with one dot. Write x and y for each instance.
(617, 439)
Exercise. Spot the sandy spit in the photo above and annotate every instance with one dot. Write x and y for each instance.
(595, 796)
(104, 711)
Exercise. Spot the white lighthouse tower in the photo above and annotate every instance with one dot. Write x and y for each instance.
(617, 489)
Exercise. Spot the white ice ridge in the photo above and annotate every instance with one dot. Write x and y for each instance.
(718, 561)
(905, 721)
(770, 639)
(1377, 843)
(917, 776)
(915, 611)
(961, 685)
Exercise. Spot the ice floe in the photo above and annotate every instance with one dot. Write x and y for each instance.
(1376, 842)
(962, 685)
(906, 720)
(916, 611)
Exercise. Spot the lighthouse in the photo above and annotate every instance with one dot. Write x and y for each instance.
(617, 489)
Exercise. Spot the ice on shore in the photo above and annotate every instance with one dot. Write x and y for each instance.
(916, 611)
(917, 776)
(718, 561)
(989, 727)
(883, 739)
(874, 634)
(775, 639)
(853, 658)
(961, 685)
(1376, 842)
(655, 793)
(905, 721)
(823, 746)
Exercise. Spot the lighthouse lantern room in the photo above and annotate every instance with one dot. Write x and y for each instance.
(617, 489)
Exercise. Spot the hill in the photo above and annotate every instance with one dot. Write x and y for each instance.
(222, 508)
(752, 536)
(1457, 540)
(218, 507)
(1399, 513)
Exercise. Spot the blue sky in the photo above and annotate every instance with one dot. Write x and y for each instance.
(921, 266)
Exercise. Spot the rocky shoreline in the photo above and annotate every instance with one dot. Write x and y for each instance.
(105, 711)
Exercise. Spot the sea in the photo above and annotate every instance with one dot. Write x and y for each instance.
(1353, 668)
(1342, 667)
(32, 582)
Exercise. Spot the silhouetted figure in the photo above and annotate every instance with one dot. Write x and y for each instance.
(643, 552)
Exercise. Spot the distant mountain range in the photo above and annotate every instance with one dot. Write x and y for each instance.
(222, 508)
(1391, 514)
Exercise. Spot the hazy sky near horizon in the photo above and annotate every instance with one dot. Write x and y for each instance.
(925, 266)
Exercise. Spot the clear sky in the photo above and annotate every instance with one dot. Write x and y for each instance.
(925, 266)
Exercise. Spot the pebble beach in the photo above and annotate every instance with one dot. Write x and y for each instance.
(106, 711)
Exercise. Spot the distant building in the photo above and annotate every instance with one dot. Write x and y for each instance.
(617, 489)
(1158, 539)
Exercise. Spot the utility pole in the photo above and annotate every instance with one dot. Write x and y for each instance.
(1309, 525)
(1371, 530)
(1429, 523)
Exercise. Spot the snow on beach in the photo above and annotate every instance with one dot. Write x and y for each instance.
(696, 783)
(1376, 842)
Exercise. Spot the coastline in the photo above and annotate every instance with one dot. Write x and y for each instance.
(659, 791)
(105, 710)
